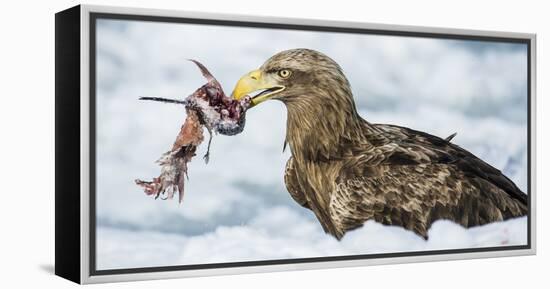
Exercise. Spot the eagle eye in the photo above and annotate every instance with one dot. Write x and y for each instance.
(284, 73)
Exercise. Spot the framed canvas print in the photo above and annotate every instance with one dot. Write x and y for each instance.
(192, 144)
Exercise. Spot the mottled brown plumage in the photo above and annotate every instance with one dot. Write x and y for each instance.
(347, 170)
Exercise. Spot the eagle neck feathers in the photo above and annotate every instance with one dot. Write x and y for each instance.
(320, 134)
(320, 129)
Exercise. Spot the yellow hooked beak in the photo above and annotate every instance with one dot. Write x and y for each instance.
(257, 85)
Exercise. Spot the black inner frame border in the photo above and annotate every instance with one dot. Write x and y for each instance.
(94, 16)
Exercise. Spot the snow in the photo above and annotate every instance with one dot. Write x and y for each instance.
(280, 233)
(237, 207)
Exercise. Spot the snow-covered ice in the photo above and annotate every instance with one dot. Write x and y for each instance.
(280, 233)
(240, 210)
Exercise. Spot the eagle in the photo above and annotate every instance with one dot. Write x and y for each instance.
(348, 170)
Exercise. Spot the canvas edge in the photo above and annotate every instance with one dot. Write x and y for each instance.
(302, 21)
(67, 182)
(86, 278)
(533, 145)
(85, 143)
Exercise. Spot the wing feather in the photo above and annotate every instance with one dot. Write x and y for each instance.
(415, 196)
(443, 152)
(293, 185)
(415, 178)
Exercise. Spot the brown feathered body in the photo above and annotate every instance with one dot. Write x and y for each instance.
(347, 170)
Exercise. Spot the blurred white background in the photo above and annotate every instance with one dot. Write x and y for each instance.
(236, 208)
(27, 126)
